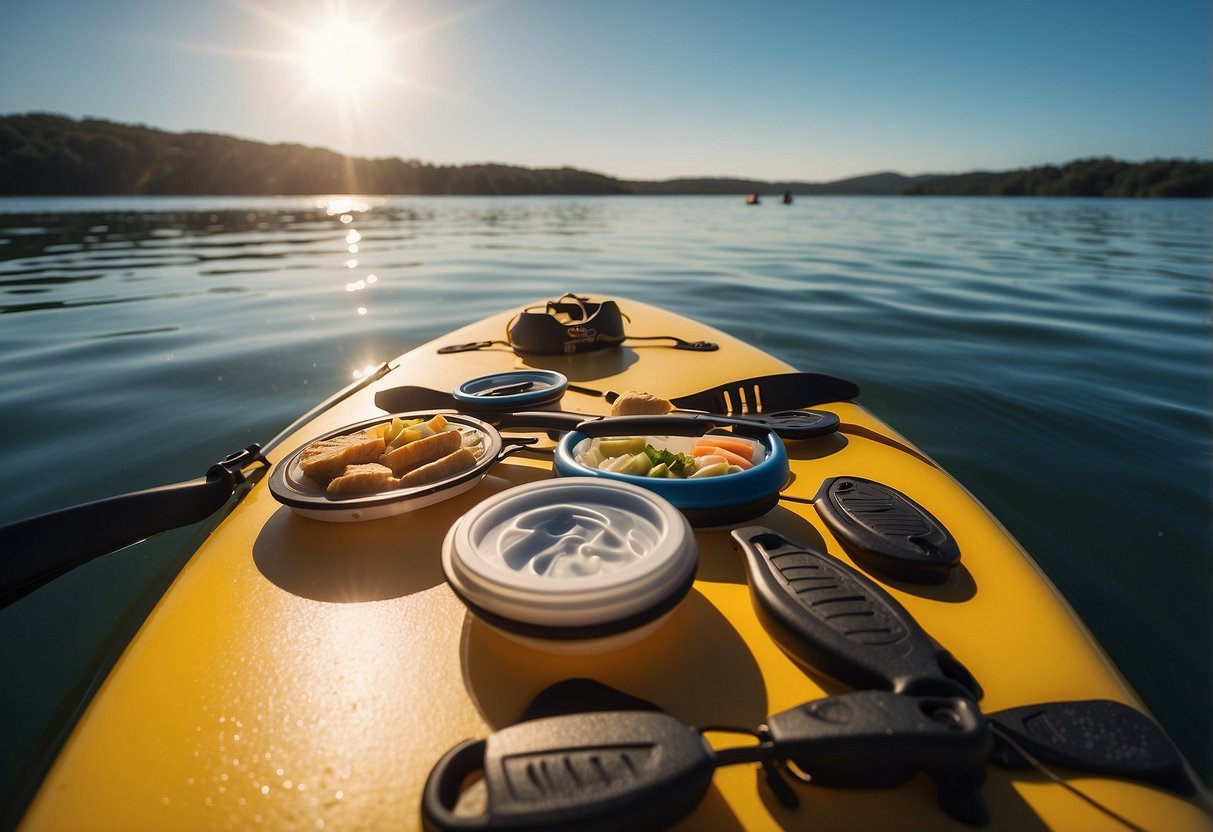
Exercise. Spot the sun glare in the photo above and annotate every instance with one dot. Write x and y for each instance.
(344, 57)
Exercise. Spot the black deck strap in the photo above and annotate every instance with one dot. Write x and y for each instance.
(679, 343)
(471, 346)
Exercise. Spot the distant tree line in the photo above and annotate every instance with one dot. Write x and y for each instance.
(46, 154)
(49, 154)
(1086, 177)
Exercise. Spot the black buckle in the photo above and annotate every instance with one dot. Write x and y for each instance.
(231, 467)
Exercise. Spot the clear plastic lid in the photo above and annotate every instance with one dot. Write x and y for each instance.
(571, 552)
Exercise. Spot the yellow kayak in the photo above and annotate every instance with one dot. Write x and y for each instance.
(310, 671)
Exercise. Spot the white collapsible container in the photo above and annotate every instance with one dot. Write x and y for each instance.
(572, 565)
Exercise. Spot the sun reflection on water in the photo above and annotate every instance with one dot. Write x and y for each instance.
(346, 209)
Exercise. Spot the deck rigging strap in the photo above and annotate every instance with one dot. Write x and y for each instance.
(572, 324)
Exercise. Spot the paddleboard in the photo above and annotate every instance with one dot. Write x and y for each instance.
(306, 674)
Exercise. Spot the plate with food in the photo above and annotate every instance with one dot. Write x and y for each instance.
(388, 465)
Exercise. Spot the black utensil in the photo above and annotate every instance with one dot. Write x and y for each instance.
(795, 424)
(781, 391)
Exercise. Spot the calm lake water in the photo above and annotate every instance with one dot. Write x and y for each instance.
(1053, 354)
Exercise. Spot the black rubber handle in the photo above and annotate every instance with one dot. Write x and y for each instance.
(833, 618)
(442, 788)
(673, 425)
(581, 772)
(409, 397)
(37, 550)
(791, 424)
(685, 424)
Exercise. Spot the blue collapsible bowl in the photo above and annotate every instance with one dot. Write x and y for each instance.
(707, 502)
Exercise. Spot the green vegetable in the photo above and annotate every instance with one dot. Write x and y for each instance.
(661, 471)
(622, 446)
(638, 464)
(678, 465)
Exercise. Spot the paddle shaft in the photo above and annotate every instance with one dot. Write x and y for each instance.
(40, 549)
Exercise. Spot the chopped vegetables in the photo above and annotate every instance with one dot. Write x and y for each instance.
(672, 457)
(703, 451)
(676, 464)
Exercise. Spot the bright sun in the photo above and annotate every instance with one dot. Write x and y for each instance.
(344, 57)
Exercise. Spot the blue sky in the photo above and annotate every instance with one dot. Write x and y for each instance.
(808, 90)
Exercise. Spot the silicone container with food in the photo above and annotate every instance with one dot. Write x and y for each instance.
(707, 501)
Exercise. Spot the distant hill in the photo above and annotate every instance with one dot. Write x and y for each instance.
(46, 154)
(876, 184)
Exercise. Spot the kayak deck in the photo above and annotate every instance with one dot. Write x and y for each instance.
(308, 675)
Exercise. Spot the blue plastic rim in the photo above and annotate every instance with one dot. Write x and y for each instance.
(546, 386)
(749, 487)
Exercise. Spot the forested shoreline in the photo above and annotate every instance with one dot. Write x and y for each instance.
(47, 154)
(1085, 177)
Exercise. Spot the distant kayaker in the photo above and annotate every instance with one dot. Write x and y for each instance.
(752, 199)
(787, 197)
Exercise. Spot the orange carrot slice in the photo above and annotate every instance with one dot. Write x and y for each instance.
(736, 444)
(730, 457)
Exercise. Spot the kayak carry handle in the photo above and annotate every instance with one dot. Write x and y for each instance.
(40, 549)
(585, 772)
(442, 789)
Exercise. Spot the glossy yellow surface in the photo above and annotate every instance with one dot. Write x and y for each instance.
(306, 675)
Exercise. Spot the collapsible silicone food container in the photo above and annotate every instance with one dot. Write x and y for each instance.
(707, 502)
(572, 566)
